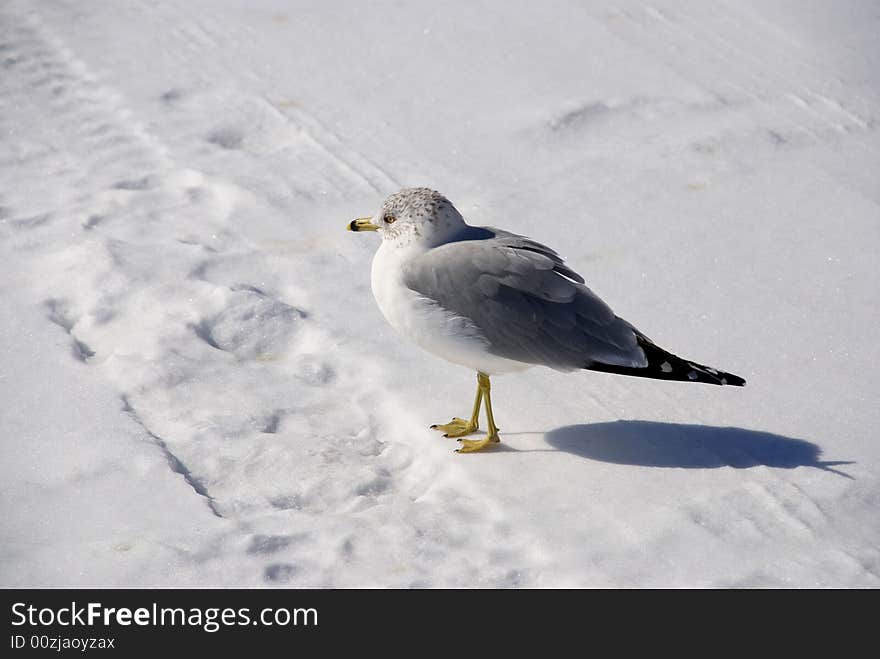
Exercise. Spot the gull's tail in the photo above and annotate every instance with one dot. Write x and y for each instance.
(664, 365)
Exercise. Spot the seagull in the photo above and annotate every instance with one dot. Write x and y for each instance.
(498, 302)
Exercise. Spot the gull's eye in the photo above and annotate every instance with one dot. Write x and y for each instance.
(390, 219)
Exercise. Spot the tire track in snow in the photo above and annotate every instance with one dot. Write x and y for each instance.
(50, 79)
(370, 173)
(108, 131)
(197, 35)
(173, 461)
(785, 102)
(776, 77)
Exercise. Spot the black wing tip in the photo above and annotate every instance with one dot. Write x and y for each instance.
(689, 374)
(663, 365)
(714, 376)
(733, 380)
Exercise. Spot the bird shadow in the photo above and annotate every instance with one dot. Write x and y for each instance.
(655, 444)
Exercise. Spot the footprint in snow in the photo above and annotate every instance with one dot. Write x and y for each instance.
(279, 573)
(253, 326)
(144, 183)
(226, 138)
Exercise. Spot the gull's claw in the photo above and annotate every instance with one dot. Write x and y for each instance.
(474, 445)
(456, 428)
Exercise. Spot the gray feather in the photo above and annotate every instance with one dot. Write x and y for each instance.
(530, 306)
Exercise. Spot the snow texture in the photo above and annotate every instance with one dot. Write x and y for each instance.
(198, 388)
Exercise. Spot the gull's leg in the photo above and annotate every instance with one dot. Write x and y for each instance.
(472, 445)
(459, 427)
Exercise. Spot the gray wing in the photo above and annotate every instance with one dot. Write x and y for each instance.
(530, 306)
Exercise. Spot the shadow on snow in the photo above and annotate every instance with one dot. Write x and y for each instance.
(653, 444)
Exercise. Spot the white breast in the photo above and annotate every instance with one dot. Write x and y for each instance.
(426, 323)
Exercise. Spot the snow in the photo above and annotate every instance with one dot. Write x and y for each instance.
(199, 389)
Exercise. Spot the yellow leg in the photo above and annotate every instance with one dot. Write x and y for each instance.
(473, 445)
(459, 427)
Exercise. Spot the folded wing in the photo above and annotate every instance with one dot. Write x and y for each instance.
(530, 306)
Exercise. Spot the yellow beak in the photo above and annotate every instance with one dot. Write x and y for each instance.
(362, 224)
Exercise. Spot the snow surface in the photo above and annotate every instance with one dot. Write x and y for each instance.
(199, 390)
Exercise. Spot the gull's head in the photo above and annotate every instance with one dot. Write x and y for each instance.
(414, 215)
